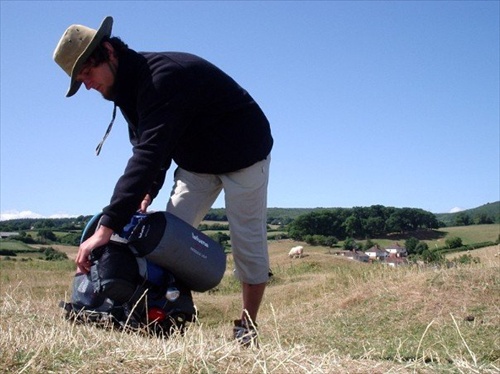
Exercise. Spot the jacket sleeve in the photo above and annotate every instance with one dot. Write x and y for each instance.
(162, 117)
(160, 179)
(158, 183)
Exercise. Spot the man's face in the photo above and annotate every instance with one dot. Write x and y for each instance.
(99, 77)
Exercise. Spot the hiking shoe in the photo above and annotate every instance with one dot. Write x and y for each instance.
(245, 333)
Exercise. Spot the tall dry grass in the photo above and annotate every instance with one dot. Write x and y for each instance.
(321, 314)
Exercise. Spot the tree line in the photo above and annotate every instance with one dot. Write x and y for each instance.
(340, 223)
(361, 222)
(55, 224)
(485, 214)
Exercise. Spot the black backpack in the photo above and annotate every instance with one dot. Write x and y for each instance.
(126, 290)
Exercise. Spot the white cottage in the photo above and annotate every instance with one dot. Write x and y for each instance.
(396, 251)
(377, 253)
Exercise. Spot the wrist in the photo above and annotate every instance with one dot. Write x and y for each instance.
(105, 232)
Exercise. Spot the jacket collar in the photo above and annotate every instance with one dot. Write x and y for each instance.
(127, 77)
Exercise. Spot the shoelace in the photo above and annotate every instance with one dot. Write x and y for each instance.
(99, 146)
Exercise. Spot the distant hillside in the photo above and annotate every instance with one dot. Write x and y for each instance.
(486, 211)
(275, 216)
(283, 216)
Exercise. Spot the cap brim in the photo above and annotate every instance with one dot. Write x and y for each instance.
(104, 30)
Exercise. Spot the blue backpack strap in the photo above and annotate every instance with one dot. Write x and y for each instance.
(91, 227)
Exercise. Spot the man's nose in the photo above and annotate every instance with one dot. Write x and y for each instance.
(87, 84)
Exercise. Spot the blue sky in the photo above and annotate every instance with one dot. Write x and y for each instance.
(371, 102)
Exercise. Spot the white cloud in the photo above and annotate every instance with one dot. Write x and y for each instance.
(61, 215)
(14, 214)
(456, 209)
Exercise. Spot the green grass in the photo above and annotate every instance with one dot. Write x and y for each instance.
(437, 238)
(474, 233)
(14, 245)
(321, 314)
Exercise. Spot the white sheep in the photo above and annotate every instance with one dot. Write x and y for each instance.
(296, 252)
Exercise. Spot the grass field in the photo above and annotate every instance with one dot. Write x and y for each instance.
(437, 238)
(14, 245)
(321, 314)
(474, 234)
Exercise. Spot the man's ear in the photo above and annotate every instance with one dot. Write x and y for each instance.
(110, 49)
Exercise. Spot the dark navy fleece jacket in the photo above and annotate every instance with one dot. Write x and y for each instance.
(183, 108)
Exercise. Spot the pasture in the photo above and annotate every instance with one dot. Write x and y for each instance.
(321, 314)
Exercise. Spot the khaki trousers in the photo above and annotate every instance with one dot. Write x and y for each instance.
(245, 195)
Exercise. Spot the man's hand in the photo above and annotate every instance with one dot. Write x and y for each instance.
(145, 203)
(101, 237)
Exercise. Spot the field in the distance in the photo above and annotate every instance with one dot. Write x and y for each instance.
(321, 314)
